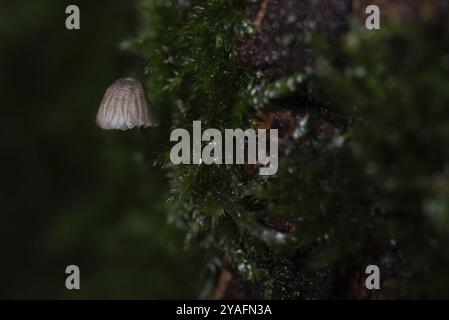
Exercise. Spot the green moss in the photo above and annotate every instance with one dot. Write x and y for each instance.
(374, 193)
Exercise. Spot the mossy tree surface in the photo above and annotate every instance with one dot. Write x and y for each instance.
(364, 126)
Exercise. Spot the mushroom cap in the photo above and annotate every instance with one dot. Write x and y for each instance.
(124, 106)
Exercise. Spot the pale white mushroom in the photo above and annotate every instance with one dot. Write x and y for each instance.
(124, 106)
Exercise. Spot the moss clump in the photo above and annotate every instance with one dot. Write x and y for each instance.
(363, 176)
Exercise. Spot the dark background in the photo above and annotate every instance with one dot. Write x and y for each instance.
(71, 193)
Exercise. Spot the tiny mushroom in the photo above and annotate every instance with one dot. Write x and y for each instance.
(124, 106)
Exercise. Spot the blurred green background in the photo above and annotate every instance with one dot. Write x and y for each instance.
(71, 193)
